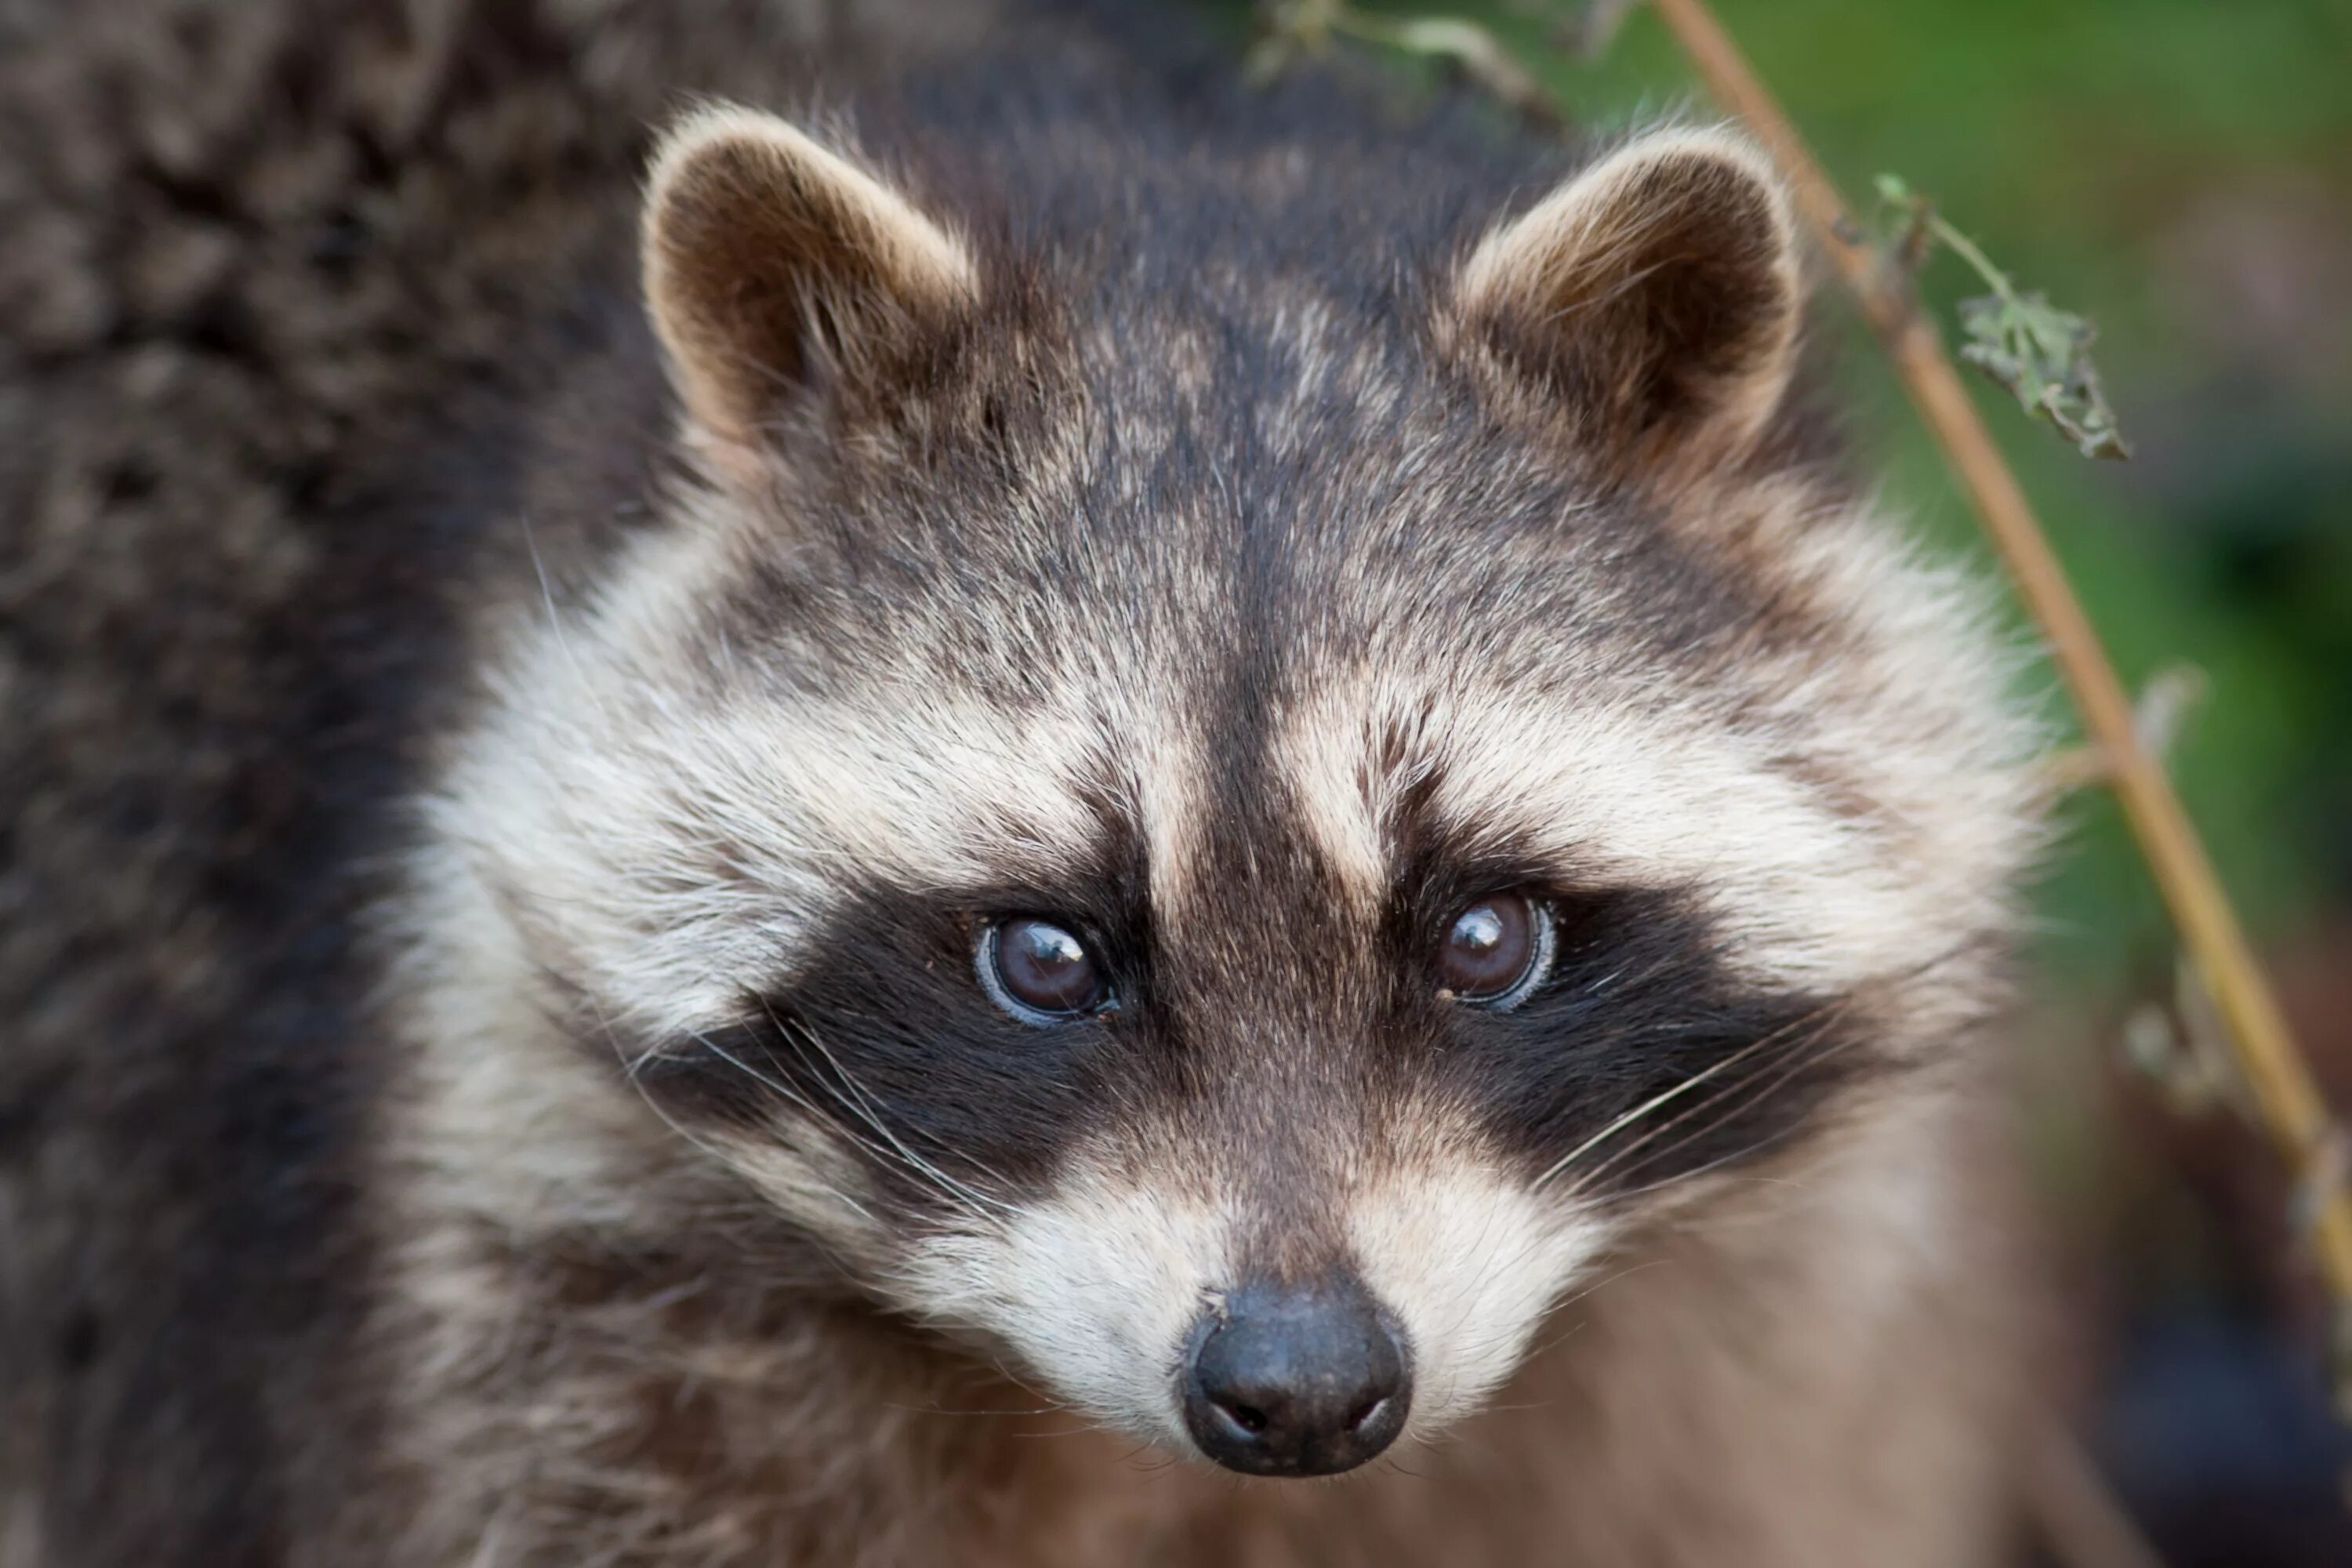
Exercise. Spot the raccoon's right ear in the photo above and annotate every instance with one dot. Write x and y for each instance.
(769, 260)
(1654, 298)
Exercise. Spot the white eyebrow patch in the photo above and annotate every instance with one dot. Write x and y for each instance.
(676, 827)
(1641, 796)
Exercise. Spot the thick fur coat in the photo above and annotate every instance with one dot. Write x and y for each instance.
(529, 647)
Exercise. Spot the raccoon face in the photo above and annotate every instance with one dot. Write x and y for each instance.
(1216, 822)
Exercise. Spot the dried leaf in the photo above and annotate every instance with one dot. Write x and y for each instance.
(2043, 354)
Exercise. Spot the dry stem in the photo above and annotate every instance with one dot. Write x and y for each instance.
(2281, 1085)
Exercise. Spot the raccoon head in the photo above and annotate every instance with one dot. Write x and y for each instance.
(1215, 786)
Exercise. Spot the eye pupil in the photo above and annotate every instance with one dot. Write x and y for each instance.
(1496, 950)
(1041, 968)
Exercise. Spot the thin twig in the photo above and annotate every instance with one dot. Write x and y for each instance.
(2283, 1089)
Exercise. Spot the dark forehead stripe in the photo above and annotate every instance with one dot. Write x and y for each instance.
(1171, 432)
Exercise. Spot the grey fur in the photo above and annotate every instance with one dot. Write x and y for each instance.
(433, 762)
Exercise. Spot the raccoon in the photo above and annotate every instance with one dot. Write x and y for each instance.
(905, 786)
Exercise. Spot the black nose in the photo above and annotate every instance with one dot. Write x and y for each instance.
(1295, 1381)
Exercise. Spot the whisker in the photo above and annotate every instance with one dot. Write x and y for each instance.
(1659, 1101)
(631, 1069)
(1655, 1102)
(1762, 1093)
(1787, 1045)
(854, 1098)
(791, 1096)
(1783, 1044)
(866, 1095)
(942, 1410)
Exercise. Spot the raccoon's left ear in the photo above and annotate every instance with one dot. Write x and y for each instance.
(1654, 295)
(772, 262)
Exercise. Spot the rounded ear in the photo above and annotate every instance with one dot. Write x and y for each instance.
(769, 259)
(1654, 295)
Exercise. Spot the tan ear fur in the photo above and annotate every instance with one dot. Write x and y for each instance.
(768, 257)
(1656, 293)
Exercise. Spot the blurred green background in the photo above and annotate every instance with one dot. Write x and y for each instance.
(2180, 170)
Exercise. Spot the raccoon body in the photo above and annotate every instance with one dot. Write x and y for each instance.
(821, 785)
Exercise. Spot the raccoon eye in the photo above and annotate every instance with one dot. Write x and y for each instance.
(1497, 951)
(1039, 972)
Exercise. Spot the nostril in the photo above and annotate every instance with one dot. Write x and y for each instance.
(1366, 1414)
(1248, 1417)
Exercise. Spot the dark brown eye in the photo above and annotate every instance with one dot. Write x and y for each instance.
(1496, 951)
(1039, 972)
